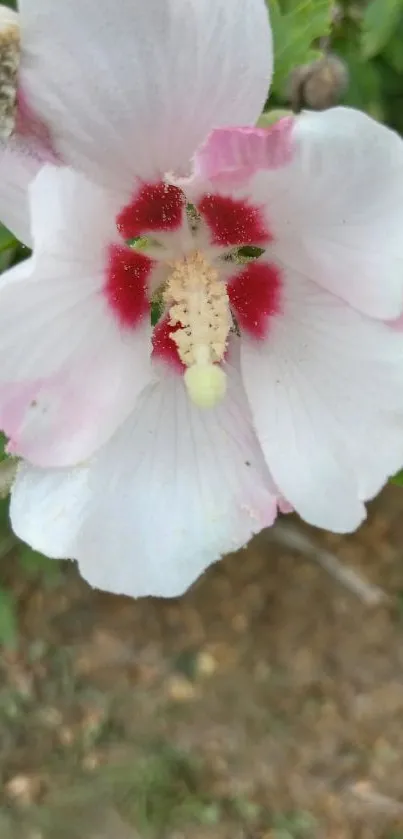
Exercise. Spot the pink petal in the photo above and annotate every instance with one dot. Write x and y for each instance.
(69, 374)
(62, 419)
(397, 323)
(284, 506)
(32, 135)
(231, 156)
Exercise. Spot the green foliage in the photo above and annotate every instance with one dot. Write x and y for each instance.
(8, 248)
(398, 479)
(154, 793)
(379, 23)
(33, 565)
(7, 240)
(297, 26)
(270, 117)
(298, 825)
(8, 619)
(156, 312)
(37, 566)
(367, 36)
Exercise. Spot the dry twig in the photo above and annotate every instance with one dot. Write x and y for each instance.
(291, 537)
(364, 794)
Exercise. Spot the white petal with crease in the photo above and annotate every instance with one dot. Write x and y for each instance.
(132, 88)
(336, 210)
(326, 393)
(69, 374)
(17, 171)
(174, 490)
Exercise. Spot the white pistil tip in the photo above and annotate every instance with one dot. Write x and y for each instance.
(206, 384)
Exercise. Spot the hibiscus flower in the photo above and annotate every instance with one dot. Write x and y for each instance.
(151, 450)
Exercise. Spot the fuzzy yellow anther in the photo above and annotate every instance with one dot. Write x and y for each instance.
(198, 303)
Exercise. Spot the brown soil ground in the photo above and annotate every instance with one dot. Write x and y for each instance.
(267, 702)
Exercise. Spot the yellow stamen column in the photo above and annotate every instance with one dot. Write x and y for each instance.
(198, 303)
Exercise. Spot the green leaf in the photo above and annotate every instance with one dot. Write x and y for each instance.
(270, 117)
(393, 52)
(156, 311)
(295, 32)
(8, 471)
(365, 82)
(139, 242)
(298, 825)
(397, 479)
(3, 443)
(36, 565)
(8, 619)
(7, 240)
(249, 252)
(380, 20)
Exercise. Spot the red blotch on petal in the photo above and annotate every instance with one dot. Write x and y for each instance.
(127, 286)
(164, 348)
(234, 222)
(156, 208)
(255, 296)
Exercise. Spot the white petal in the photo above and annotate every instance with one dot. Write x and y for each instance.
(133, 88)
(326, 392)
(70, 214)
(52, 502)
(174, 490)
(69, 374)
(17, 171)
(336, 211)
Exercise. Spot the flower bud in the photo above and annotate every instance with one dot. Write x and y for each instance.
(318, 85)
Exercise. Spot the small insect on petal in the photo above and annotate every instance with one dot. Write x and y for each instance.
(9, 65)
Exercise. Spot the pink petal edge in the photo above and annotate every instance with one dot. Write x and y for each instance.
(230, 156)
(31, 134)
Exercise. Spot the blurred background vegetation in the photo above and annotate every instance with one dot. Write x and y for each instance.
(53, 713)
(367, 36)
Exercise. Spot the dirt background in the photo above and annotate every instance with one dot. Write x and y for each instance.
(266, 702)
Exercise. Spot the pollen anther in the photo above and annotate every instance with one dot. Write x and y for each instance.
(198, 303)
(9, 66)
